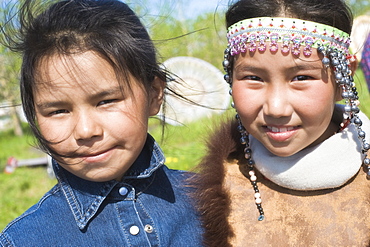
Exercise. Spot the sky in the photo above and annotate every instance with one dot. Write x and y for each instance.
(184, 8)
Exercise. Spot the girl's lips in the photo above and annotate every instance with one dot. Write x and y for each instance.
(98, 157)
(280, 134)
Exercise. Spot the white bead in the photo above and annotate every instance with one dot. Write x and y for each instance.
(257, 195)
(258, 201)
(251, 173)
(253, 178)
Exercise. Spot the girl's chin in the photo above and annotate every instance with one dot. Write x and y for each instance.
(283, 151)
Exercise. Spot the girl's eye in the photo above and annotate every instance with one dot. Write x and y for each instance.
(57, 112)
(104, 102)
(302, 78)
(252, 78)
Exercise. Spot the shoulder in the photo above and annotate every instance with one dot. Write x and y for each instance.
(36, 218)
(178, 180)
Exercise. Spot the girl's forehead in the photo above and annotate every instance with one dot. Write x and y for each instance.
(81, 69)
(278, 59)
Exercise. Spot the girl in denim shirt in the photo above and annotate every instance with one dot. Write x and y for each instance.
(89, 83)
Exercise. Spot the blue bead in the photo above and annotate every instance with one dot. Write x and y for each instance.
(357, 121)
(347, 108)
(361, 134)
(367, 161)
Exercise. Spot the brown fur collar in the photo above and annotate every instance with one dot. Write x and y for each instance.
(213, 200)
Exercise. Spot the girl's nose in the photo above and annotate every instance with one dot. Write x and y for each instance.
(277, 102)
(86, 127)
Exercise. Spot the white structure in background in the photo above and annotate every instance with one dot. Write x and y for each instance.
(360, 32)
(201, 83)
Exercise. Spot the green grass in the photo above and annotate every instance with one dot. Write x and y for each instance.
(182, 145)
(20, 190)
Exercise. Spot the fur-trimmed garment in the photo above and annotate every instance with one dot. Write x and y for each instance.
(331, 217)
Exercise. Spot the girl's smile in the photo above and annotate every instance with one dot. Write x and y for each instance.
(281, 134)
(98, 157)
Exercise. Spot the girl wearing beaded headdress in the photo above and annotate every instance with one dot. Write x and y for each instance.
(287, 171)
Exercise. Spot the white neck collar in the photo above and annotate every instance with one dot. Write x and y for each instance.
(329, 164)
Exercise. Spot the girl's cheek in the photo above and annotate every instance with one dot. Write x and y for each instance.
(54, 132)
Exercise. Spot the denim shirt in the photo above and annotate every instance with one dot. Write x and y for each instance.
(149, 207)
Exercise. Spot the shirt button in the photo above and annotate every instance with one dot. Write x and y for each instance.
(134, 230)
(123, 191)
(148, 228)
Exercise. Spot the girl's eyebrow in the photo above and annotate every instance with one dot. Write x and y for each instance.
(297, 67)
(48, 104)
(92, 96)
(308, 66)
(106, 92)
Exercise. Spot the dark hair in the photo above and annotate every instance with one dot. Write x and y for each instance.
(330, 12)
(107, 27)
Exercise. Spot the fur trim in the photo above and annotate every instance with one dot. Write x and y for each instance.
(212, 199)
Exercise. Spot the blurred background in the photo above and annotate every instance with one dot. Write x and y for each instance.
(179, 28)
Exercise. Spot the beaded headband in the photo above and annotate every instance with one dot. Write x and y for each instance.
(252, 34)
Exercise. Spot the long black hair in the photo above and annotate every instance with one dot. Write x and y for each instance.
(107, 27)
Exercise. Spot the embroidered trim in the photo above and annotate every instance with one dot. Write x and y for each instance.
(252, 34)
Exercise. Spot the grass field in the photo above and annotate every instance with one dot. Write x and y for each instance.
(182, 145)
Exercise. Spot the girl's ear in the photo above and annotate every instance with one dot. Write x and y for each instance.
(156, 95)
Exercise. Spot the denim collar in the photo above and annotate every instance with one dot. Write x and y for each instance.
(85, 197)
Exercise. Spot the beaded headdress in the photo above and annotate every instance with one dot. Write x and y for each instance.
(252, 34)
(296, 36)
